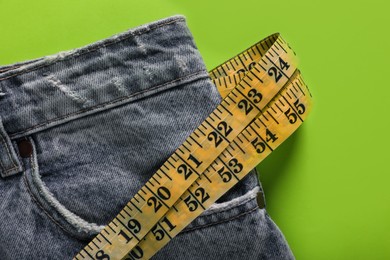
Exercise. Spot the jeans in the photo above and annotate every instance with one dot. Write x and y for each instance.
(81, 131)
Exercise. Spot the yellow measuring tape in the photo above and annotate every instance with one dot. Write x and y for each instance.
(264, 101)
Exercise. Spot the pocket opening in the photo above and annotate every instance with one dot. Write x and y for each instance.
(68, 220)
(218, 207)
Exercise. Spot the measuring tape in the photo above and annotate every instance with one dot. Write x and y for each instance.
(264, 101)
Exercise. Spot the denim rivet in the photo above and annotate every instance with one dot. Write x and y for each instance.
(25, 148)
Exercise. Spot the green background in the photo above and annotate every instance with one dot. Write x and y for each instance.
(327, 187)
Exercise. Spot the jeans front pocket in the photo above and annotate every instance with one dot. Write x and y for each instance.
(83, 172)
(65, 219)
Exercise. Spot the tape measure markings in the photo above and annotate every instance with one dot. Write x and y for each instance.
(274, 41)
(262, 138)
(249, 93)
(209, 192)
(241, 66)
(135, 197)
(226, 84)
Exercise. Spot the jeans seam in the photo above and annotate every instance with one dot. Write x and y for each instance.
(240, 203)
(42, 208)
(4, 142)
(103, 105)
(9, 68)
(3, 168)
(221, 221)
(140, 32)
(10, 169)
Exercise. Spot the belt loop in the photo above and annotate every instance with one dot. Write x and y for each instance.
(260, 195)
(9, 162)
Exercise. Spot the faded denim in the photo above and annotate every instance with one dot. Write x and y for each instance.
(101, 120)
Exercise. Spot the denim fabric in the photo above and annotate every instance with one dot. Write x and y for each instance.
(101, 120)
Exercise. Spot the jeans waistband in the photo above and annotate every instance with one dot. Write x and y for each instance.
(47, 91)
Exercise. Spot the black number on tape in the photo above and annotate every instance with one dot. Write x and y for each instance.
(270, 136)
(250, 66)
(223, 126)
(158, 232)
(182, 169)
(225, 131)
(169, 224)
(277, 74)
(136, 253)
(256, 96)
(273, 72)
(237, 166)
(202, 193)
(152, 201)
(214, 136)
(192, 158)
(225, 175)
(292, 117)
(163, 193)
(123, 234)
(244, 104)
(283, 64)
(258, 145)
(100, 255)
(134, 225)
(191, 202)
(300, 107)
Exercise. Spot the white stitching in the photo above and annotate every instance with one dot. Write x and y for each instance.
(103, 105)
(4, 141)
(80, 224)
(219, 222)
(141, 30)
(218, 207)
